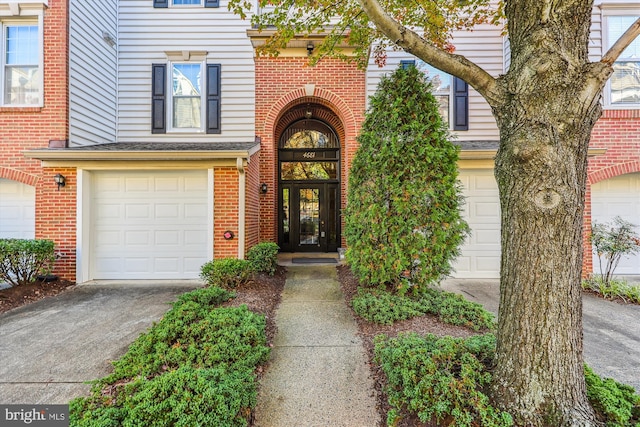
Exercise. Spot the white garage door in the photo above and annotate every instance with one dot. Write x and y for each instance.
(619, 196)
(17, 210)
(148, 224)
(480, 255)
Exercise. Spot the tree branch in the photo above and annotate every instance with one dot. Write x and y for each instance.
(622, 43)
(411, 42)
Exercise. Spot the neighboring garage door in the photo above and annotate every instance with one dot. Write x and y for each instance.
(480, 254)
(619, 196)
(17, 210)
(148, 224)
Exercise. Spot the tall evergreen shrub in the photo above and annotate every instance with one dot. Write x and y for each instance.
(403, 218)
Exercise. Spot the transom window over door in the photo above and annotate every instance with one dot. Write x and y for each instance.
(22, 80)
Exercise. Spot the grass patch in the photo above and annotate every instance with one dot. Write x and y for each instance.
(614, 289)
(381, 306)
(195, 367)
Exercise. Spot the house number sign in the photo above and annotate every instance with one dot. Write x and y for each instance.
(309, 155)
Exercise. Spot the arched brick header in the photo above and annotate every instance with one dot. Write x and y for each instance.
(19, 176)
(343, 122)
(613, 171)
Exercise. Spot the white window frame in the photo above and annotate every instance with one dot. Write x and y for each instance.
(203, 87)
(606, 43)
(26, 21)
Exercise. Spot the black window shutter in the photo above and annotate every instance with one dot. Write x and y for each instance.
(213, 98)
(211, 3)
(160, 3)
(460, 104)
(158, 98)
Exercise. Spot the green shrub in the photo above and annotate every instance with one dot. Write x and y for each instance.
(225, 337)
(380, 306)
(226, 272)
(23, 260)
(193, 368)
(439, 378)
(263, 258)
(612, 241)
(616, 404)
(184, 397)
(615, 288)
(403, 221)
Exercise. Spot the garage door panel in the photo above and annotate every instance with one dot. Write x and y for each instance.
(17, 210)
(154, 226)
(480, 254)
(618, 196)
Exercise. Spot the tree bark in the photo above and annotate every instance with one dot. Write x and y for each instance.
(541, 169)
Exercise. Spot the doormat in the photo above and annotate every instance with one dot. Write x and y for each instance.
(313, 260)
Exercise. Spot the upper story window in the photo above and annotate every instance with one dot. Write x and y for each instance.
(185, 97)
(179, 3)
(21, 67)
(450, 92)
(624, 84)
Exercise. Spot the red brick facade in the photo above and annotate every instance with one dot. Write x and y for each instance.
(26, 128)
(287, 87)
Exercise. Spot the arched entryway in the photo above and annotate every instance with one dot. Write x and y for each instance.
(309, 186)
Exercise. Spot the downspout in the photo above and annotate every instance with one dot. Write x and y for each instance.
(240, 164)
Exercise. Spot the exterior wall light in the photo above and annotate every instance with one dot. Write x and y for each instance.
(263, 187)
(60, 181)
(310, 48)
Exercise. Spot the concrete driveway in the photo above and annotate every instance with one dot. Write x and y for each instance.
(611, 330)
(49, 349)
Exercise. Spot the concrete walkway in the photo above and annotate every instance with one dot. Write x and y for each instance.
(319, 375)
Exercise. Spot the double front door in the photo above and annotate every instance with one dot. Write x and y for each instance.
(309, 217)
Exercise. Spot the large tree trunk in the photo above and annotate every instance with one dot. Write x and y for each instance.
(541, 170)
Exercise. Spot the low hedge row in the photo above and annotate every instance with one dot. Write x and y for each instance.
(195, 367)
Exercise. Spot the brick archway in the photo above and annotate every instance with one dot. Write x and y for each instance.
(613, 171)
(19, 176)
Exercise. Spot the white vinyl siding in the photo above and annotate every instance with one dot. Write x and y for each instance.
(92, 72)
(484, 46)
(147, 34)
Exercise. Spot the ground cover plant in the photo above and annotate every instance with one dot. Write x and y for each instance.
(615, 289)
(381, 306)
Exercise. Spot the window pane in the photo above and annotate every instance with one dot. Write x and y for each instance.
(186, 1)
(186, 93)
(22, 45)
(186, 112)
(302, 171)
(21, 86)
(440, 80)
(616, 26)
(625, 83)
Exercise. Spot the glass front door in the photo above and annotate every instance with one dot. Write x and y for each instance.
(309, 218)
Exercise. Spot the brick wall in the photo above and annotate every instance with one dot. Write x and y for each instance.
(225, 211)
(281, 84)
(25, 128)
(618, 131)
(253, 196)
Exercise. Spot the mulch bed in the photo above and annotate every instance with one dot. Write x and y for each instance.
(18, 296)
